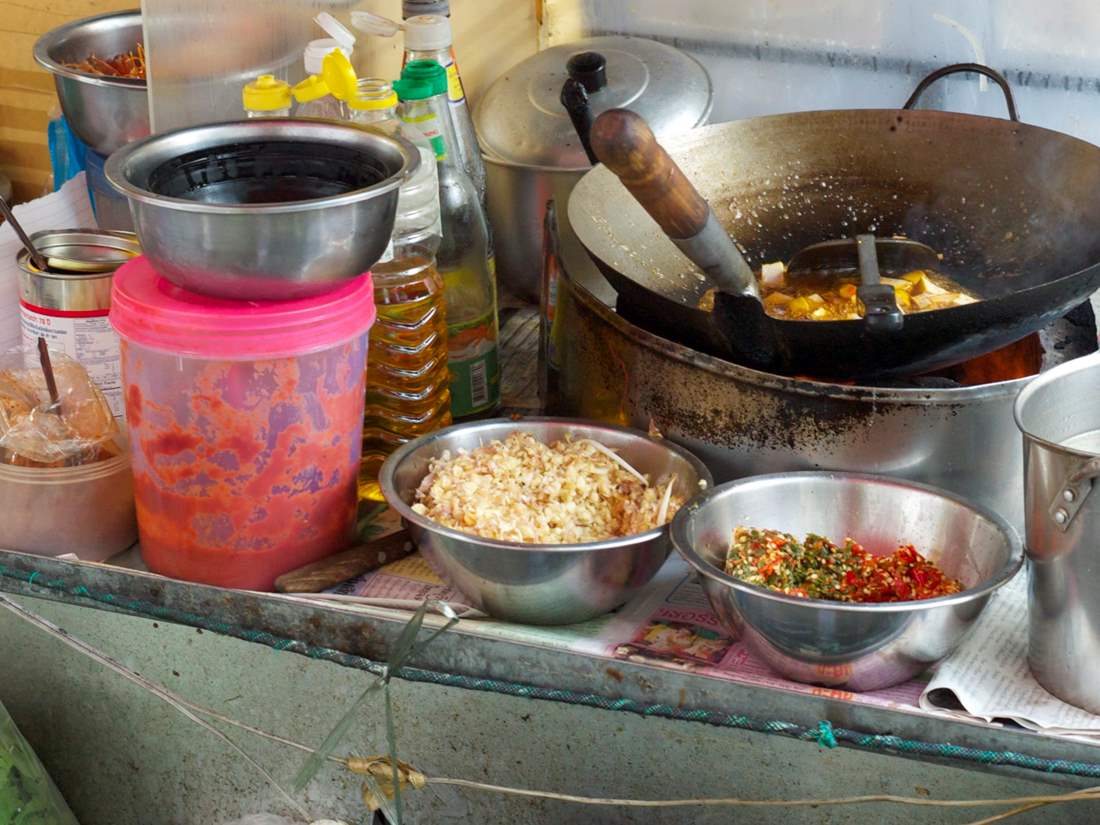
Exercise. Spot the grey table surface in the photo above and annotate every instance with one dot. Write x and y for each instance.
(342, 634)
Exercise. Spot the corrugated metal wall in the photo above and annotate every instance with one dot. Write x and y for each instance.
(770, 56)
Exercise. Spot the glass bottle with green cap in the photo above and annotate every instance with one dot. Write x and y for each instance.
(463, 259)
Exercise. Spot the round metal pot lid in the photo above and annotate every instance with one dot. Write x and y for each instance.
(521, 120)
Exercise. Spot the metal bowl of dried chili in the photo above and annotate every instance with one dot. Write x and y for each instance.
(98, 66)
(848, 618)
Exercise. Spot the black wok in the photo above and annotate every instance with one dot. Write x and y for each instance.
(1014, 209)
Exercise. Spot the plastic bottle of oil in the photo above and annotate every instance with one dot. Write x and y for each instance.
(408, 381)
(408, 391)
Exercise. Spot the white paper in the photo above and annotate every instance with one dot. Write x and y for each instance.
(67, 208)
(989, 677)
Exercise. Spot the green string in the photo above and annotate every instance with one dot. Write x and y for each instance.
(823, 734)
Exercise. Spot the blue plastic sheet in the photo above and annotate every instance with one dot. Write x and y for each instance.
(66, 152)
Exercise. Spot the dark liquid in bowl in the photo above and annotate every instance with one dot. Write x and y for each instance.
(266, 172)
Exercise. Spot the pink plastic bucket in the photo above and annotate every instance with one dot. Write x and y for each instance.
(245, 422)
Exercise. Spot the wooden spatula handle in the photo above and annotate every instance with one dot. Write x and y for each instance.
(625, 144)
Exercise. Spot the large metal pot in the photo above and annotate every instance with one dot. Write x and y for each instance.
(104, 112)
(530, 146)
(1059, 416)
(744, 422)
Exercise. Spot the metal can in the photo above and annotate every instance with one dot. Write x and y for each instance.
(69, 307)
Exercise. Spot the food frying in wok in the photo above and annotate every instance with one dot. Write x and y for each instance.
(829, 297)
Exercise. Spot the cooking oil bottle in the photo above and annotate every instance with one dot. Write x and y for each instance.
(408, 391)
(408, 381)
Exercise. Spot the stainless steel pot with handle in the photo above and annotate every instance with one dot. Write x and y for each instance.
(1059, 416)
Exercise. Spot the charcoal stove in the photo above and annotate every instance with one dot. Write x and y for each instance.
(941, 429)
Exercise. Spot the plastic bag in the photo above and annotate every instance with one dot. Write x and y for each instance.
(27, 794)
(81, 430)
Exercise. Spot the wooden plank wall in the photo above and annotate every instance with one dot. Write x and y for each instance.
(26, 91)
(491, 35)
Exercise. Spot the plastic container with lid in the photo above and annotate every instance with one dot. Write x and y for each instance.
(532, 150)
(244, 422)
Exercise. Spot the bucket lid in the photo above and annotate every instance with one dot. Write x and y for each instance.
(152, 312)
(520, 118)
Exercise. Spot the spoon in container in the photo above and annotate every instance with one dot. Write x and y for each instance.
(54, 406)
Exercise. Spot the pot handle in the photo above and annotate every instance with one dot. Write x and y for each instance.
(1073, 493)
(587, 74)
(956, 68)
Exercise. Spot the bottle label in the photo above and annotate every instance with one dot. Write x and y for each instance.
(429, 127)
(474, 363)
(455, 92)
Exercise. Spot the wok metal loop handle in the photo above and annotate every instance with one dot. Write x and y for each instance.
(957, 68)
(1073, 493)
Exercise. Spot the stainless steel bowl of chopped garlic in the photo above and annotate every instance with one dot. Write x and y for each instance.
(838, 614)
(544, 521)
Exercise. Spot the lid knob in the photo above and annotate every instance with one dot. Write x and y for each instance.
(590, 68)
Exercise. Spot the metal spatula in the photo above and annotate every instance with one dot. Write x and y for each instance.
(894, 255)
(868, 254)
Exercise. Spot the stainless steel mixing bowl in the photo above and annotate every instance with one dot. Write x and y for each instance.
(545, 584)
(104, 112)
(263, 209)
(854, 646)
